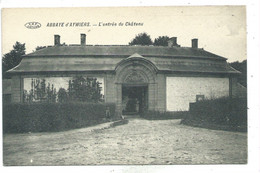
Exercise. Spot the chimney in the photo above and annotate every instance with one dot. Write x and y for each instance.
(82, 39)
(56, 40)
(173, 42)
(194, 43)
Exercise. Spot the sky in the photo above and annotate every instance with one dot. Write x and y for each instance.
(219, 29)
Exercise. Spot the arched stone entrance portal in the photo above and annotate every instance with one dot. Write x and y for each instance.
(136, 85)
(134, 94)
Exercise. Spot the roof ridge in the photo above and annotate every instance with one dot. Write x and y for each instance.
(120, 50)
(114, 45)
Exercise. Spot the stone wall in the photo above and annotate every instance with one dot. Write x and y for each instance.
(110, 92)
(181, 91)
(166, 93)
(16, 91)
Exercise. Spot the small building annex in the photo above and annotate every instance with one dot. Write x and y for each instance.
(163, 78)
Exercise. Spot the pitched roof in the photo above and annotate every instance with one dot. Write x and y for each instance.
(81, 64)
(125, 51)
(106, 58)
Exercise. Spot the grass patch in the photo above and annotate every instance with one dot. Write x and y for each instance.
(157, 115)
(120, 122)
(214, 126)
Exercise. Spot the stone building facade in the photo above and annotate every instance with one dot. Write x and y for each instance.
(159, 78)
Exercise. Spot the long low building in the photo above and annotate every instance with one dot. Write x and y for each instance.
(162, 78)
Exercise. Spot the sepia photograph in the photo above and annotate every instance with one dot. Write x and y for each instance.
(164, 85)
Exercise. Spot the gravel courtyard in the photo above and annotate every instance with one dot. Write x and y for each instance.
(138, 142)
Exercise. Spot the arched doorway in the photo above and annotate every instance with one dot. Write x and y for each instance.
(134, 99)
(135, 93)
(136, 86)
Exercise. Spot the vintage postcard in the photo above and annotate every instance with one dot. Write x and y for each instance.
(124, 86)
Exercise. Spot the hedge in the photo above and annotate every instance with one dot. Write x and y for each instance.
(222, 111)
(42, 117)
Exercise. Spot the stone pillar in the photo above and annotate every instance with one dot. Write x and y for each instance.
(152, 95)
(110, 92)
(118, 88)
(161, 88)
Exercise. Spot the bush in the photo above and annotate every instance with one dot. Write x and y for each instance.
(157, 115)
(222, 111)
(39, 117)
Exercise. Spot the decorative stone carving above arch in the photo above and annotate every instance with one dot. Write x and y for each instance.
(135, 77)
(135, 69)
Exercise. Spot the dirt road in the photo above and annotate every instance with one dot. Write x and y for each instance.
(138, 142)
